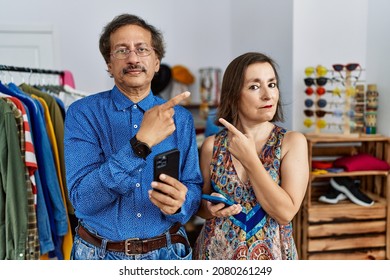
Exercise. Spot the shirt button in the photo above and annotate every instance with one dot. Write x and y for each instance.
(137, 185)
(139, 215)
(135, 126)
(140, 170)
(135, 106)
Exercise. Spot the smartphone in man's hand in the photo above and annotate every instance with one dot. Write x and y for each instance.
(168, 163)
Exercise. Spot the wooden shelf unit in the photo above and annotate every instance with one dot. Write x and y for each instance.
(345, 230)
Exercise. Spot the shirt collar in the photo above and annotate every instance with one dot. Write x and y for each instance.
(122, 102)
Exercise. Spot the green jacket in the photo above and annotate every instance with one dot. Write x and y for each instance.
(13, 191)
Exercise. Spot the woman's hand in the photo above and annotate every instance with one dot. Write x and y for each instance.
(221, 210)
(240, 145)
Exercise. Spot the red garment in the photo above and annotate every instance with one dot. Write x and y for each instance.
(361, 162)
(67, 79)
(30, 158)
(318, 164)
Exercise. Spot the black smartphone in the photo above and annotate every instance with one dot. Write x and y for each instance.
(217, 199)
(168, 163)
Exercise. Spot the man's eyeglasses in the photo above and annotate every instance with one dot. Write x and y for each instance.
(123, 53)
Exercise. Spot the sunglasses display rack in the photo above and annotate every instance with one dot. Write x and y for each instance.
(335, 100)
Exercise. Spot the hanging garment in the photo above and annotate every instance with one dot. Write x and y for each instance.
(13, 191)
(44, 226)
(68, 239)
(32, 245)
(46, 111)
(46, 167)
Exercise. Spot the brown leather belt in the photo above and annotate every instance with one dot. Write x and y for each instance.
(134, 246)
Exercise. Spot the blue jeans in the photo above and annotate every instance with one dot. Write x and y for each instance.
(83, 250)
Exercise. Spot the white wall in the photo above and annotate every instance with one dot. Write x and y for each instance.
(266, 26)
(334, 31)
(378, 58)
(203, 33)
(325, 33)
(197, 35)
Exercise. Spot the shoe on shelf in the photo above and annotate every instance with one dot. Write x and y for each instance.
(351, 189)
(333, 196)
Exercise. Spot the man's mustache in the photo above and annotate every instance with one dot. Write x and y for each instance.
(133, 67)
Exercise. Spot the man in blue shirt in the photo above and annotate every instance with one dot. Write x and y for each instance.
(111, 139)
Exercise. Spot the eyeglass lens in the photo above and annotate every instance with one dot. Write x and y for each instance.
(309, 91)
(321, 70)
(322, 103)
(320, 113)
(123, 53)
(309, 71)
(320, 91)
(309, 103)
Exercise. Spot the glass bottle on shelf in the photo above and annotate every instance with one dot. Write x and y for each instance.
(371, 109)
(359, 104)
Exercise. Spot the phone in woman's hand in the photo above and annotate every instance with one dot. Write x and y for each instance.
(217, 199)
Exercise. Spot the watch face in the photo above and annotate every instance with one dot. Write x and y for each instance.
(140, 148)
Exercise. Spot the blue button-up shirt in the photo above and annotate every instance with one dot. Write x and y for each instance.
(108, 184)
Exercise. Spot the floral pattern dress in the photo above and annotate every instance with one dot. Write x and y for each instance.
(251, 234)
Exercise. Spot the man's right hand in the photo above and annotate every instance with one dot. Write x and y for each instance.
(158, 123)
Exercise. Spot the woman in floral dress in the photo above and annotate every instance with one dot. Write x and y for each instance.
(255, 163)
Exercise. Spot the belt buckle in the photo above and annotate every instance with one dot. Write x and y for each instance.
(133, 245)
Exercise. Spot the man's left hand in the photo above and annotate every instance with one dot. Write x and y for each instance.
(169, 196)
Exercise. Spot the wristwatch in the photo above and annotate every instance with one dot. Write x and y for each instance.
(141, 149)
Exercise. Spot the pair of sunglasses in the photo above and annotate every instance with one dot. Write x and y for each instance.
(320, 91)
(321, 123)
(349, 91)
(320, 81)
(348, 67)
(336, 104)
(320, 71)
(318, 113)
(320, 103)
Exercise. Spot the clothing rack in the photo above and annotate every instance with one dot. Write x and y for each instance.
(30, 70)
(41, 107)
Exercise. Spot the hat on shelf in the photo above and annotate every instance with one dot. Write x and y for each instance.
(161, 79)
(182, 75)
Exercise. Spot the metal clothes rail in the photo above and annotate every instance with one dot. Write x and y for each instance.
(30, 70)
